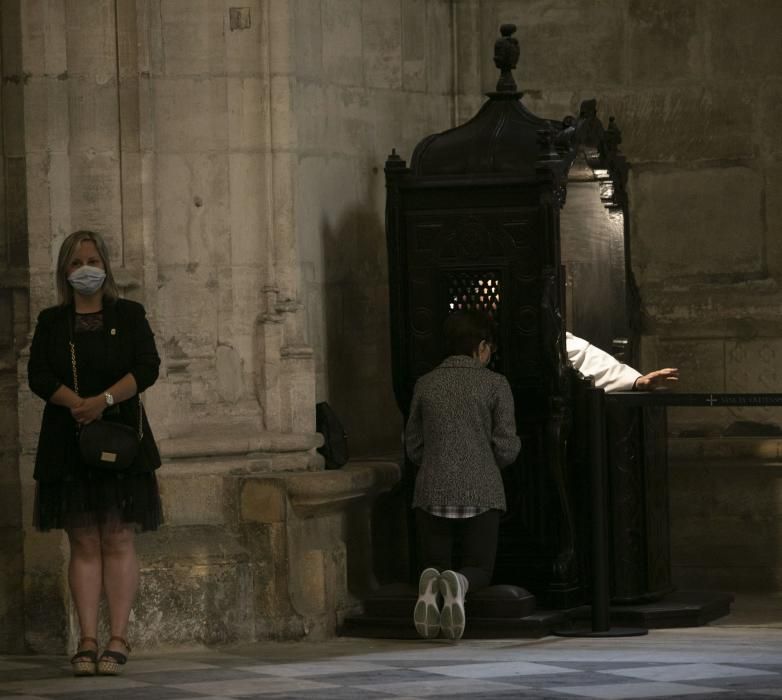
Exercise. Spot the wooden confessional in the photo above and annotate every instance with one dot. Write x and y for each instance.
(527, 219)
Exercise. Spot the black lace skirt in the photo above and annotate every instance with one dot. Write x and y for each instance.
(98, 498)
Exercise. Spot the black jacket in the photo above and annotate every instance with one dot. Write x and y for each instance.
(130, 347)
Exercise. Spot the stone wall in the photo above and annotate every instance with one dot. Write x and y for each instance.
(372, 75)
(234, 158)
(13, 320)
(726, 500)
(217, 164)
(697, 129)
(694, 87)
(169, 126)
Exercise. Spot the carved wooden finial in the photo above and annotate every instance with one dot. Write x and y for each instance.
(506, 56)
(394, 161)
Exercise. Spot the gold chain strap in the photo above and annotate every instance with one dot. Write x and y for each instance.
(76, 391)
(73, 366)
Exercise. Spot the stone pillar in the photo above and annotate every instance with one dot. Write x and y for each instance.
(286, 382)
(13, 324)
(168, 126)
(372, 75)
(83, 156)
(220, 157)
(46, 95)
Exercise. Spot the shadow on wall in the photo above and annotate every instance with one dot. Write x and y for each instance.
(358, 366)
(358, 353)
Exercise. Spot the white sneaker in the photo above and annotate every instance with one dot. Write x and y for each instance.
(453, 587)
(426, 614)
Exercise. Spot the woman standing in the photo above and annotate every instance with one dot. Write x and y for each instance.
(91, 356)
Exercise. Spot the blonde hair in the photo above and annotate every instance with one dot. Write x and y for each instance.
(67, 250)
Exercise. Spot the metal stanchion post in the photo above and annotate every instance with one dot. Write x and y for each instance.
(598, 466)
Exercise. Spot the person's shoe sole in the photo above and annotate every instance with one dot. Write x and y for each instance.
(83, 668)
(426, 614)
(452, 619)
(85, 662)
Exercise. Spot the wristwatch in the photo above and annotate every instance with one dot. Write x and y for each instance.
(109, 399)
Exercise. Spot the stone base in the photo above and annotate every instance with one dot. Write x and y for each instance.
(725, 512)
(196, 586)
(508, 612)
(497, 611)
(678, 609)
(244, 555)
(11, 591)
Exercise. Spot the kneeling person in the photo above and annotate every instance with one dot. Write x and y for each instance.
(461, 432)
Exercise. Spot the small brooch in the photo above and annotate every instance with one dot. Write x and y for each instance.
(114, 331)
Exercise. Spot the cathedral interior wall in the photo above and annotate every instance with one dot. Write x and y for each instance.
(235, 157)
(13, 323)
(693, 87)
(372, 76)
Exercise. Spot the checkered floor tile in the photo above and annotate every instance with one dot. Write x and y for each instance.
(666, 664)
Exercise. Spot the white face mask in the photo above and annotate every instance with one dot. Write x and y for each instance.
(87, 279)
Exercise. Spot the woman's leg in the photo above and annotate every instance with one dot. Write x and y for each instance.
(435, 538)
(120, 577)
(84, 576)
(435, 542)
(479, 548)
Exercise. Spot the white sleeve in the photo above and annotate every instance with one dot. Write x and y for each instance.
(607, 371)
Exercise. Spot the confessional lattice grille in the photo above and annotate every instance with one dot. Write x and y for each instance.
(471, 290)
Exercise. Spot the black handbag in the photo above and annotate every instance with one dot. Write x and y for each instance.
(105, 443)
(108, 445)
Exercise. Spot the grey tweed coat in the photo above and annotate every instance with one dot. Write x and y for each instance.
(461, 431)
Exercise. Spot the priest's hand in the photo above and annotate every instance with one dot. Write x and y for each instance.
(659, 379)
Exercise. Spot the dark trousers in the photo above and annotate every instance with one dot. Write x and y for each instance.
(478, 544)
